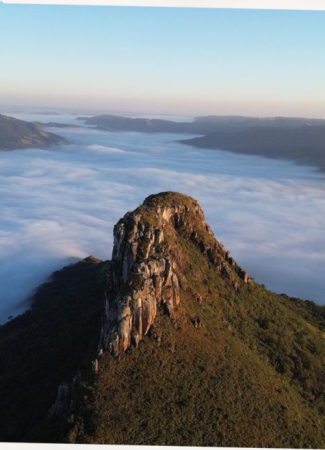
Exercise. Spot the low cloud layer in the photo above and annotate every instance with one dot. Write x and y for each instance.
(61, 204)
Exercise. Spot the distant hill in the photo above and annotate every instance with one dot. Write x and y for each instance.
(56, 125)
(302, 144)
(200, 125)
(118, 123)
(243, 122)
(15, 134)
(169, 343)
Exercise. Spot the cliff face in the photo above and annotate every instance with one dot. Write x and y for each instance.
(148, 265)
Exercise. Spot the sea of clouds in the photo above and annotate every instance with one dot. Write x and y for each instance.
(60, 205)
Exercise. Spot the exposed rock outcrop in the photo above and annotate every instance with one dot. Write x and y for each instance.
(145, 265)
(67, 395)
(141, 279)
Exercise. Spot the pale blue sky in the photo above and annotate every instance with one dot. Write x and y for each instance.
(161, 60)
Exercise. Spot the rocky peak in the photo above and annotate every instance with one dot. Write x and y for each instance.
(147, 265)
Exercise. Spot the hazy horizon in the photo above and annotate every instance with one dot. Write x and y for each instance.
(21, 111)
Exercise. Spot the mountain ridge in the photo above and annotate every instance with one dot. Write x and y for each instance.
(199, 125)
(169, 343)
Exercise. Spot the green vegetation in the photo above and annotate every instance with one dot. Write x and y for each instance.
(227, 367)
(251, 375)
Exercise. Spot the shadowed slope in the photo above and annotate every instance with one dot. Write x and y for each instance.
(48, 345)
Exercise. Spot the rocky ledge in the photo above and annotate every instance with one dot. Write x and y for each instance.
(148, 269)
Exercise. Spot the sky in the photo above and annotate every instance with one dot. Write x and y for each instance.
(163, 60)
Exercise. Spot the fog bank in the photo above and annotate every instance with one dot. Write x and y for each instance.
(61, 204)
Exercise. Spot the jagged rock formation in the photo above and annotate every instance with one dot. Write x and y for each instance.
(146, 265)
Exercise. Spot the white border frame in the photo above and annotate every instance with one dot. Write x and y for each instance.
(316, 5)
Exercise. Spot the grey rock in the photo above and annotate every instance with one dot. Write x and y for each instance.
(140, 281)
(144, 268)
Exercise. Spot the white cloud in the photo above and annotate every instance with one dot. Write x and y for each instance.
(61, 204)
(102, 148)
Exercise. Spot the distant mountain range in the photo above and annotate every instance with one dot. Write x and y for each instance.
(298, 139)
(15, 134)
(57, 125)
(118, 123)
(200, 125)
(169, 343)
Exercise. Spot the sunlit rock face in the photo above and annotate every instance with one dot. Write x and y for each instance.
(147, 265)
